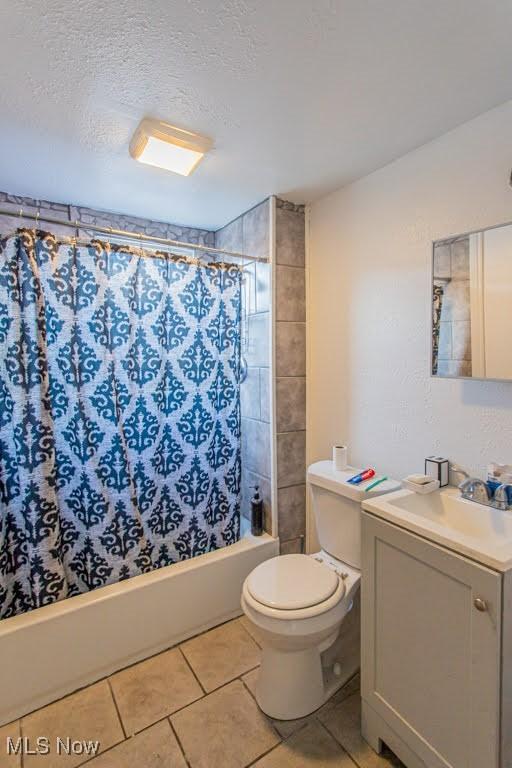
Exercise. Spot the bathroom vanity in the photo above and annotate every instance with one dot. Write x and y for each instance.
(436, 615)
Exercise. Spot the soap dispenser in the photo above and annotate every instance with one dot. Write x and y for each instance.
(256, 513)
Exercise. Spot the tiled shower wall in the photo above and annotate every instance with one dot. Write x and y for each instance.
(290, 373)
(91, 216)
(250, 234)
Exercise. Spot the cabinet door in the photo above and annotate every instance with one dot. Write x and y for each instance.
(430, 657)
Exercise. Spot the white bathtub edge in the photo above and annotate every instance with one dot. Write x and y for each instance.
(60, 648)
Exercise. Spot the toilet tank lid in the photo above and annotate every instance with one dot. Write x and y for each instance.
(323, 475)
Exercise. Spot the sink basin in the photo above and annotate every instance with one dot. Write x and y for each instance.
(475, 530)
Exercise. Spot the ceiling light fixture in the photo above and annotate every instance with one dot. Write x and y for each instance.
(166, 146)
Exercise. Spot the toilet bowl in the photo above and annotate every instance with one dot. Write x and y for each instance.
(300, 607)
(296, 604)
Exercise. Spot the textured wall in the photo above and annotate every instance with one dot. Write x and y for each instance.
(91, 216)
(369, 307)
(250, 234)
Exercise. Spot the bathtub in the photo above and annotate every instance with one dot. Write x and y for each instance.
(52, 651)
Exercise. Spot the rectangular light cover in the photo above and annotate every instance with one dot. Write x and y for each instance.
(165, 146)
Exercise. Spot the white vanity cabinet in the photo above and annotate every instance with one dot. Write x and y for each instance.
(436, 652)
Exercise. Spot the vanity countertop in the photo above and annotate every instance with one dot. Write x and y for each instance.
(479, 532)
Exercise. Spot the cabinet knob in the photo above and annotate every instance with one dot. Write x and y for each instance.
(480, 604)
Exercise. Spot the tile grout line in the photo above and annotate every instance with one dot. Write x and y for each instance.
(189, 665)
(180, 745)
(22, 756)
(263, 754)
(109, 683)
(242, 624)
(345, 751)
(269, 719)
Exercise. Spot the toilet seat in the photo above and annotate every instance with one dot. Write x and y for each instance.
(292, 582)
(292, 615)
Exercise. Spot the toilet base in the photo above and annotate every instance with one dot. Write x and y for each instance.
(290, 684)
(293, 684)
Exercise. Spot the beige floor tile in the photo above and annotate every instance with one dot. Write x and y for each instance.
(224, 730)
(12, 731)
(89, 715)
(153, 689)
(221, 654)
(156, 747)
(250, 680)
(248, 626)
(344, 722)
(353, 686)
(311, 747)
(286, 727)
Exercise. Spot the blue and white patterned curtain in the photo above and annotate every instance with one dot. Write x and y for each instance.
(119, 414)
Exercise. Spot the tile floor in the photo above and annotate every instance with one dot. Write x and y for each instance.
(193, 706)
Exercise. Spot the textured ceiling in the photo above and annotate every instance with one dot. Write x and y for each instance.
(300, 96)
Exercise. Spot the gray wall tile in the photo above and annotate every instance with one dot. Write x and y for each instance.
(445, 341)
(290, 349)
(461, 340)
(290, 237)
(256, 446)
(291, 404)
(262, 287)
(230, 237)
(290, 294)
(249, 289)
(92, 216)
(460, 259)
(456, 301)
(293, 547)
(256, 224)
(291, 508)
(442, 260)
(265, 394)
(258, 352)
(250, 394)
(291, 458)
(454, 368)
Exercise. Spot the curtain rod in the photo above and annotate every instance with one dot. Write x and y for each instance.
(133, 235)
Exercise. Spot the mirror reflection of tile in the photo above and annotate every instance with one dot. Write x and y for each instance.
(451, 327)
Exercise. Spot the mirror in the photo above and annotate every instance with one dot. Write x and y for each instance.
(472, 305)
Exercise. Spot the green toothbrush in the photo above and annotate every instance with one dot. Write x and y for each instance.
(377, 482)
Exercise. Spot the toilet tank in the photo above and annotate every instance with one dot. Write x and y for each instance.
(336, 505)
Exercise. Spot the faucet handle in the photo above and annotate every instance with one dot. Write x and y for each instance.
(501, 497)
(476, 490)
(459, 471)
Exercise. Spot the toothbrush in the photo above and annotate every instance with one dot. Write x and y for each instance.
(366, 475)
(377, 482)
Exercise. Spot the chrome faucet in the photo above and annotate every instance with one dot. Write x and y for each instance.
(477, 490)
(474, 489)
(501, 497)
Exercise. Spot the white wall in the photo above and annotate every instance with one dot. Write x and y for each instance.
(369, 307)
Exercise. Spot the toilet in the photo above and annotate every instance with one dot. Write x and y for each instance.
(304, 609)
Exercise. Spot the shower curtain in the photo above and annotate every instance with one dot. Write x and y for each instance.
(119, 414)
